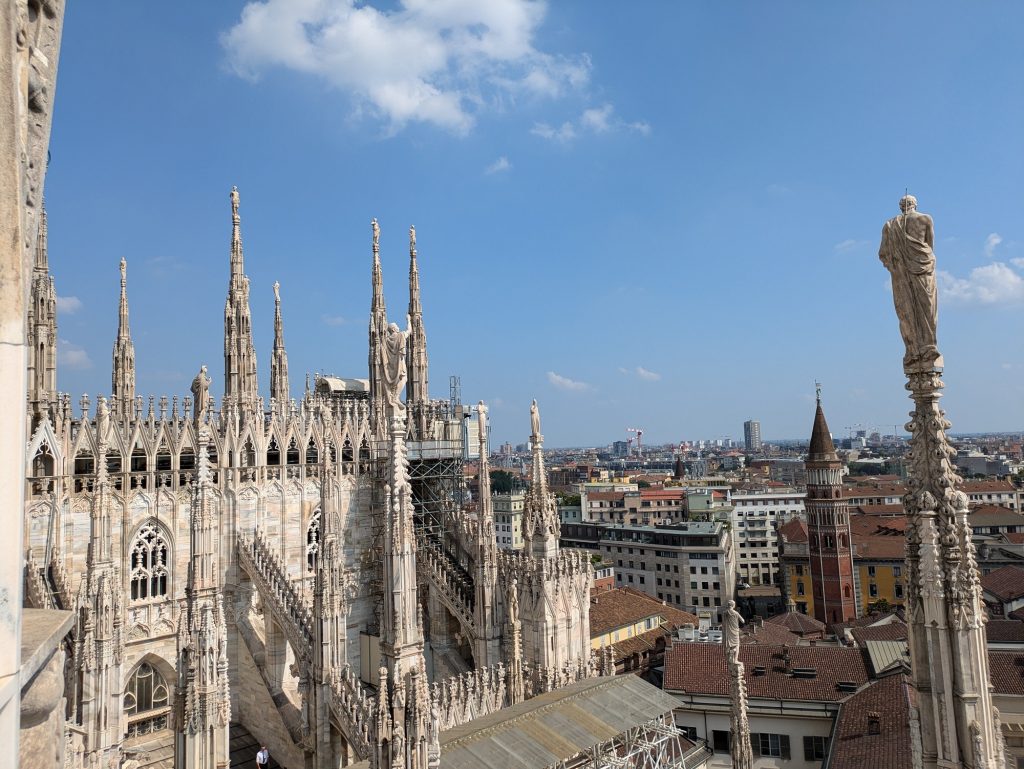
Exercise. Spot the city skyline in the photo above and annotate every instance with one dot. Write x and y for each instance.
(627, 255)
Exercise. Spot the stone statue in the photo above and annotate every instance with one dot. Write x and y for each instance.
(512, 602)
(393, 354)
(906, 251)
(481, 411)
(534, 418)
(376, 235)
(201, 393)
(732, 620)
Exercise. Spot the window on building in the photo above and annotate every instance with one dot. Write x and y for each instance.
(149, 563)
(703, 585)
(630, 577)
(146, 702)
(774, 745)
(871, 571)
(799, 570)
(873, 590)
(313, 540)
(689, 731)
(898, 590)
(693, 585)
(897, 571)
(799, 588)
(720, 741)
(641, 579)
(815, 748)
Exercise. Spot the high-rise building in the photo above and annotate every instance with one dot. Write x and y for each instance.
(752, 435)
(828, 528)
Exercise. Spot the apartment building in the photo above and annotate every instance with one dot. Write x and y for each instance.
(508, 520)
(756, 517)
(688, 565)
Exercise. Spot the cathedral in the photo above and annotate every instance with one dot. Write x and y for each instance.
(305, 569)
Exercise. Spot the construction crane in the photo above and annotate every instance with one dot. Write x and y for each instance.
(639, 439)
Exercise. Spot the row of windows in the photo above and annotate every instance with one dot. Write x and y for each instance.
(767, 744)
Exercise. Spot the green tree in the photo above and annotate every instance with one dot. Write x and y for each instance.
(502, 482)
(881, 606)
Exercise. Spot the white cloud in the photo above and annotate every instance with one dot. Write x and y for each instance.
(650, 376)
(991, 242)
(564, 133)
(995, 283)
(333, 320)
(565, 383)
(68, 304)
(434, 61)
(499, 165)
(72, 356)
(594, 120)
(846, 245)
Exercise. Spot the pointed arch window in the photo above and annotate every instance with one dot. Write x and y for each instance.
(292, 457)
(42, 464)
(248, 454)
(312, 455)
(149, 563)
(347, 454)
(146, 701)
(313, 540)
(273, 453)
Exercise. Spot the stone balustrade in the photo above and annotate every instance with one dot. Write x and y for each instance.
(268, 573)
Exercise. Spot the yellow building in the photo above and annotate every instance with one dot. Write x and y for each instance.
(879, 552)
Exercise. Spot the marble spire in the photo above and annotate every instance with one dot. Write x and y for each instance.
(241, 388)
(378, 334)
(41, 327)
(945, 615)
(99, 646)
(540, 515)
(122, 379)
(416, 387)
(485, 582)
(279, 358)
(739, 724)
(202, 698)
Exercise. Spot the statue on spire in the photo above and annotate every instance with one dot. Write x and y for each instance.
(535, 418)
(234, 205)
(376, 236)
(394, 366)
(906, 251)
(201, 393)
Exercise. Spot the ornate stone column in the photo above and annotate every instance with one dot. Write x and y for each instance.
(949, 661)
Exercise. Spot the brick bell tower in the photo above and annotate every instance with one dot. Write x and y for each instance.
(828, 528)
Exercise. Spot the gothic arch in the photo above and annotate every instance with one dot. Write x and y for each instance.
(313, 539)
(150, 561)
(148, 696)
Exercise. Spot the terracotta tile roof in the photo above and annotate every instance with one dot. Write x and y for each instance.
(1005, 583)
(700, 668)
(798, 623)
(991, 486)
(1017, 614)
(638, 644)
(606, 496)
(1015, 537)
(1006, 672)
(995, 515)
(768, 633)
(794, 530)
(623, 606)
(880, 510)
(876, 538)
(889, 700)
(892, 631)
(1005, 631)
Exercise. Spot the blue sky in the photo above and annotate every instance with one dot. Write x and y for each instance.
(657, 215)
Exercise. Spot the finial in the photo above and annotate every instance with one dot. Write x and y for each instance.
(234, 203)
(124, 272)
(277, 292)
(412, 239)
(817, 390)
(376, 236)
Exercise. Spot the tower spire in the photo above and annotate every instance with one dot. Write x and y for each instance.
(378, 332)
(279, 360)
(41, 324)
(488, 646)
(540, 516)
(241, 389)
(122, 378)
(416, 354)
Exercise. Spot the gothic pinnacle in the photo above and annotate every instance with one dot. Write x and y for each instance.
(41, 244)
(236, 235)
(122, 379)
(279, 358)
